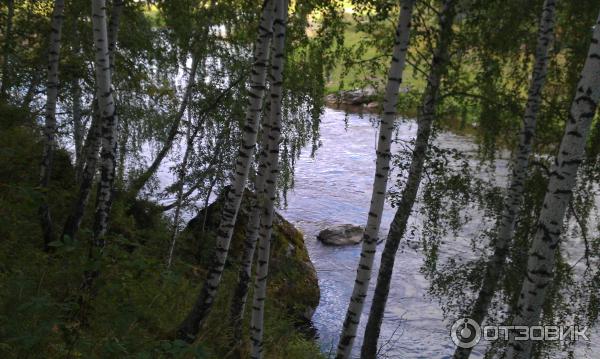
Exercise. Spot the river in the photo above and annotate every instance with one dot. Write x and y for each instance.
(334, 187)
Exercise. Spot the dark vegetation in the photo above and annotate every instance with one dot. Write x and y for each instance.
(137, 302)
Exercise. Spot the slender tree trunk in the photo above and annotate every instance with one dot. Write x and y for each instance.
(382, 169)
(213, 182)
(91, 149)
(122, 153)
(78, 128)
(104, 93)
(272, 170)
(513, 200)
(50, 125)
(425, 119)
(113, 30)
(179, 199)
(140, 181)
(189, 328)
(86, 181)
(8, 45)
(238, 301)
(31, 91)
(563, 176)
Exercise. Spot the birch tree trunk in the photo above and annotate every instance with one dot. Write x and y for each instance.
(7, 48)
(90, 154)
(106, 104)
(190, 326)
(238, 301)
(563, 176)
(181, 180)
(50, 121)
(514, 197)
(382, 170)
(113, 30)
(92, 144)
(425, 119)
(272, 170)
(78, 129)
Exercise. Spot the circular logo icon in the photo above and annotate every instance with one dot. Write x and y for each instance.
(465, 333)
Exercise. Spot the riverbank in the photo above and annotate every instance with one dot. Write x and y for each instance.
(368, 101)
(137, 302)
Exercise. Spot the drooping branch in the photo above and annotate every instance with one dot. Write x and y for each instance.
(192, 324)
(541, 260)
(138, 183)
(512, 202)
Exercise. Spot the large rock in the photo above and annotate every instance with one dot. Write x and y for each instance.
(341, 235)
(293, 283)
(357, 99)
(354, 97)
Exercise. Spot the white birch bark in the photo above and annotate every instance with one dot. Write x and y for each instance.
(238, 301)
(382, 169)
(78, 129)
(50, 114)
(398, 226)
(181, 180)
(90, 150)
(514, 197)
(106, 104)
(7, 48)
(272, 170)
(113, 30)
(93, 143)
(563, 176)
(191, 325)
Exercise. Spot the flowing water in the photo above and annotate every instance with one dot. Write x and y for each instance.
(334, 187)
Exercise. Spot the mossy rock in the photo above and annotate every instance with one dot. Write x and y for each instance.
(292, 283)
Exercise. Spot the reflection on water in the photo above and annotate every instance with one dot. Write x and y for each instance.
(334, 187)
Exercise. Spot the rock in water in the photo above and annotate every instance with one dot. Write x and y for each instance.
(341, 235)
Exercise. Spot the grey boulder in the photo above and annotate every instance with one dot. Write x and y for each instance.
(341, 235)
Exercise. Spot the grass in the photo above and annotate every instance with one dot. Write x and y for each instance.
(137, 303)
(343, 78)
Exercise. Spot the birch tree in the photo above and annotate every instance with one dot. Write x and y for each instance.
(382, 169)
(7, 48)
(90, 154)
(50, 115)
(193, 322)
(238, 301)
(272, 171)
(180, 184)
(113, 31)
(563, 176)
(425, 119)
(106, 105)
(93, 139)
(78, 128)
(514, 197)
